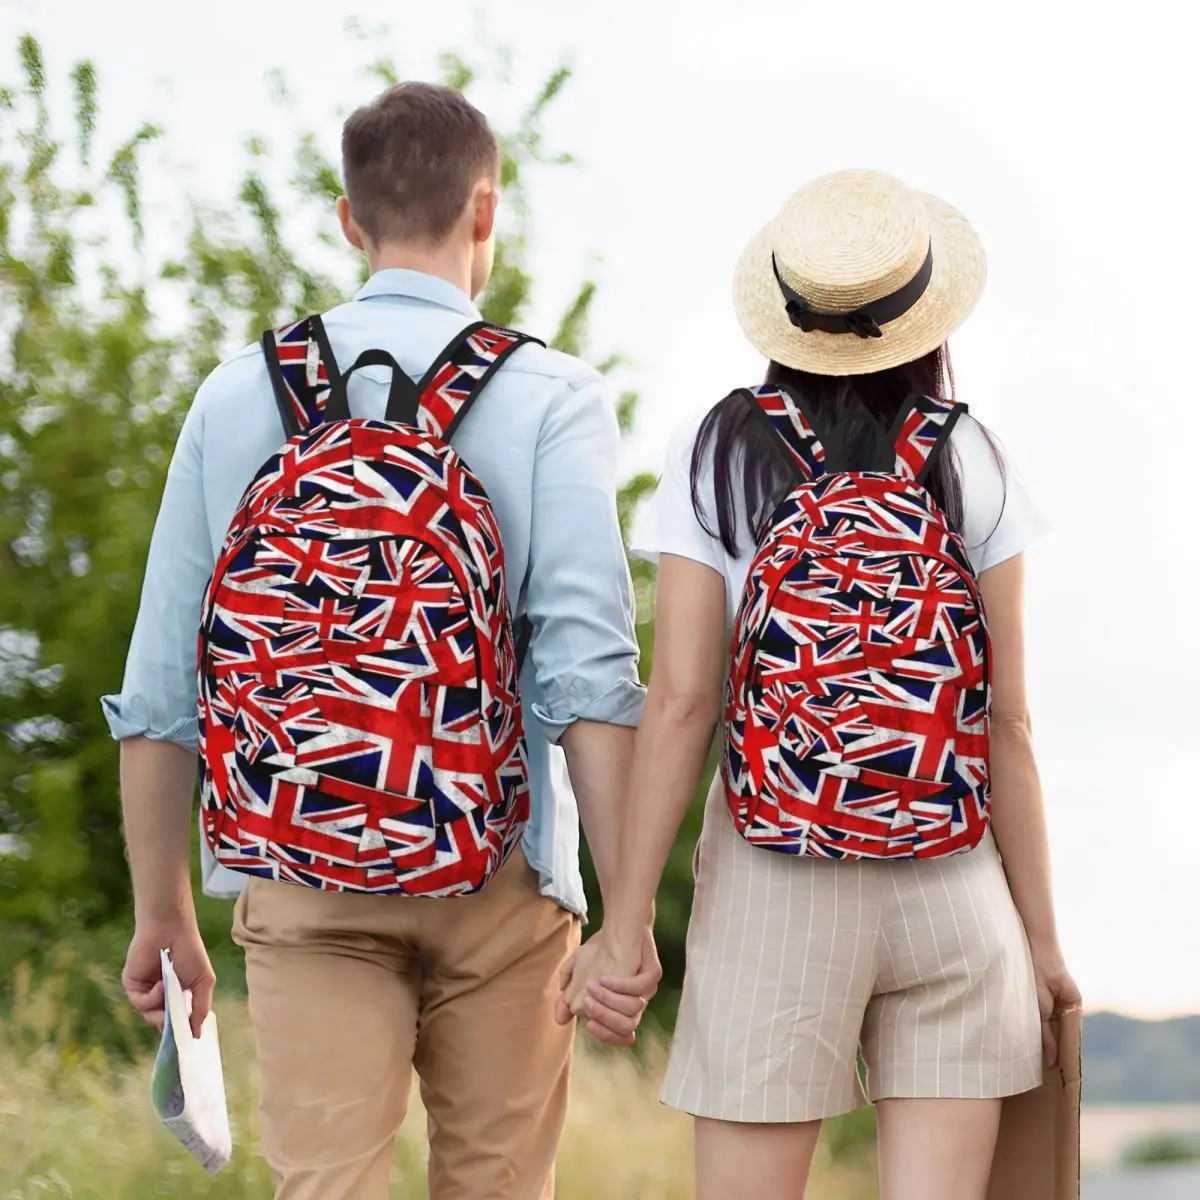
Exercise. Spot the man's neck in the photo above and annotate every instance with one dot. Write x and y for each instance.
(451, 263)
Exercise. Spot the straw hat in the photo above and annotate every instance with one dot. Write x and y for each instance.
(857, 273)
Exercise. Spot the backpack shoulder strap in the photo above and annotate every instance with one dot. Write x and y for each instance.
(308, 388)
(460, 373)
(922, 428)
(793, 426)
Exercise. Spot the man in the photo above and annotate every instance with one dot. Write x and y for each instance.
(348, 992)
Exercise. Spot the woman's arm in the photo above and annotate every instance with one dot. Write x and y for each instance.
(1018, 817)
(1018, 814)
(683, 706)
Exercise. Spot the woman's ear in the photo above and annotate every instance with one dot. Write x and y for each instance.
(350, 229)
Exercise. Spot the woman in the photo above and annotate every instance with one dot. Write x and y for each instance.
(930, 948)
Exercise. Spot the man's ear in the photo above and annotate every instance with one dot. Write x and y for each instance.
(486, 198)
(350, 229)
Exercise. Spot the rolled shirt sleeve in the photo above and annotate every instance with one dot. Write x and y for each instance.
(579, 595)
(159, 692)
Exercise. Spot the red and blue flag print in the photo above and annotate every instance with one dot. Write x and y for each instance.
(360, 720)
(858, 697)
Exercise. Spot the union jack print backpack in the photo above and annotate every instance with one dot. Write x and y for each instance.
(859, 689)
(360, 722)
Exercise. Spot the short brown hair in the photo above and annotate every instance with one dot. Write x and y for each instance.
(410, 159)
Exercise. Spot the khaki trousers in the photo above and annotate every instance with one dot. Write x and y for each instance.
(349, 993)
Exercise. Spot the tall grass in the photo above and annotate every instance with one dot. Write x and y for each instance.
(76, 1123)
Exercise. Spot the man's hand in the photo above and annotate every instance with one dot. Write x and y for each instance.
(609, 988)
(157, 781)
(142, 977)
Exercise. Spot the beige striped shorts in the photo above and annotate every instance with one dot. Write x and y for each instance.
(797, 966)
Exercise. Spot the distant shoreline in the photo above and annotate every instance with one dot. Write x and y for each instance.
(1106, 1130)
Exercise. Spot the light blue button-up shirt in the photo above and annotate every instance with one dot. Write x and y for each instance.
(543, 440)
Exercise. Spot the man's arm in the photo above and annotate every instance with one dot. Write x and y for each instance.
(682, 713)
(157, 782)
(598, 758)
(579, 598)
(154, 717)
(584, 650)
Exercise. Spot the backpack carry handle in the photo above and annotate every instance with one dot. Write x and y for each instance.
(404, 399)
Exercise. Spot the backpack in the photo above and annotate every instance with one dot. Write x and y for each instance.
(359, 710)
(857, 704)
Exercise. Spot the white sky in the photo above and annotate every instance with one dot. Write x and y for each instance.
(1068, 138)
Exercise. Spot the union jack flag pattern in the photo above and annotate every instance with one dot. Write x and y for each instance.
(859, 689)
(360, 719)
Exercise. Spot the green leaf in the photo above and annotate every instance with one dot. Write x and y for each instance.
(550, 92)
(627, 410)
(632, 492)
(123, 171)
(257, 199)
(357, 29)
(384, 70)
(278, 91)
(86, 107)
(455, 72)
(612, 362)
(316, 177)
(30, 52)
(572, 328)
(60, 262)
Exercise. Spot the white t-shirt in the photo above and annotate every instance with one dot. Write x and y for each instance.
(1000, 518)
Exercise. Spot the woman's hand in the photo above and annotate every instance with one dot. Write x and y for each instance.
(1056, 993)
(609, 986)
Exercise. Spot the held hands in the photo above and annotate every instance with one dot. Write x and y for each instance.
(142, 977)
(609, 987)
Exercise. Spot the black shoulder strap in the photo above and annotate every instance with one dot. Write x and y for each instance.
(792, 425)
(922, 427)
(460, 373)
(304, 376)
